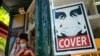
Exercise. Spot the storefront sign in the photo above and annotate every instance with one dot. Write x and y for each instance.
(71, 30)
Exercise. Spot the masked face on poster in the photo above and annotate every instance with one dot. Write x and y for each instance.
(71, 31)
(70, 22)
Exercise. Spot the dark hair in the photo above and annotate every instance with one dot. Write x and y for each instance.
(23, 36)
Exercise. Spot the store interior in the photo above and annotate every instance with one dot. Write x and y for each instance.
(21, 20)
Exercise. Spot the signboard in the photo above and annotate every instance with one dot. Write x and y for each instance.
(71, 31)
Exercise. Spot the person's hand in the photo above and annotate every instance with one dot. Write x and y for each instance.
(16, 43)
(17, 40)
(20, 51)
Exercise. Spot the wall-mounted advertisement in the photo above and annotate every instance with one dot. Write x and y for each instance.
(71, 31)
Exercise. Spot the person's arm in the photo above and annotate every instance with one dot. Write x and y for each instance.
(14, 48)
(20, 52)
(31, 52)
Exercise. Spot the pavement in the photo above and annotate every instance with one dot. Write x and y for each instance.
(2, 54)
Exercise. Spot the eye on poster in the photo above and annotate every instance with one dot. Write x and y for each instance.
(71, 31)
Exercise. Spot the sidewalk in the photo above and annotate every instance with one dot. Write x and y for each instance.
(2, 54)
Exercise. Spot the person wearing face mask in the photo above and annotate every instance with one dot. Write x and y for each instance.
(21, 48)
(24, 50)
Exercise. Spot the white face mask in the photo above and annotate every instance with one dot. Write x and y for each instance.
(23, 45)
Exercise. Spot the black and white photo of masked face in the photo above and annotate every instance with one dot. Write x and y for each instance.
(70, 21)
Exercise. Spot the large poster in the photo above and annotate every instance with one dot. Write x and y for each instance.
(71, 31)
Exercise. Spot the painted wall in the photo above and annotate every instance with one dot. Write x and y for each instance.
(18, 21)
